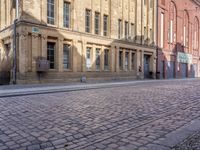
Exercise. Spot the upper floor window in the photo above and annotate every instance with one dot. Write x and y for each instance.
(97, 23)
(173, 23)
(66, 14)
(51, 12)
(126, 30)
(186, 29)
(119, 28)
(196, 34)
(105, 25)
(88, 21)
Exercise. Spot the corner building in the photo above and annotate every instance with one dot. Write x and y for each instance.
(178, 39)
(99, 39)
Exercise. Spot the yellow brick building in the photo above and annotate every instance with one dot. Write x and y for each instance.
(99, 39)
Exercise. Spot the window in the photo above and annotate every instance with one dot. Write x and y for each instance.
(106, 59)
(50, 12)
(151, 35)
(66, 56)
(98, 59)
(126, 60)
(51, 54)
(105, 25)
(126, 30)
(119, 28)
(162, 31)
(196, 34)
(66, 13)
(121, 60)
(133, 30)
(173, 20)
(186, 29)
(132, 61)
(87, 20)
(88, 58)
(97, 22)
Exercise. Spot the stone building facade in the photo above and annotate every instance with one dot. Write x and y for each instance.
(99, 39)
(178, 38)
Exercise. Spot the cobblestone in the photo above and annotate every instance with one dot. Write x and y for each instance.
(127, 117)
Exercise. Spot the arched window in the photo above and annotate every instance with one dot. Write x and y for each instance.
(186, 29)
(196, 34)
(173, 23)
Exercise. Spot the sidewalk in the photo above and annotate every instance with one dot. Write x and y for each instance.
(20, 90)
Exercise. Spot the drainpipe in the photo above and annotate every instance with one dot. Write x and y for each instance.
(157, 36)
(14, 70)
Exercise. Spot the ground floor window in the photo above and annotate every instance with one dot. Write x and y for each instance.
(121, 60)
(126, 61)
(106, 59)
(88, 58)
(51, 54)
(66, 56)
(98, 59)
(132, 61)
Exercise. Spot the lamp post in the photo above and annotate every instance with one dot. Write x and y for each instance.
(14, 69)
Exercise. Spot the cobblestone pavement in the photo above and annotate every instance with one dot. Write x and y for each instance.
(191, 143)
(118, 118)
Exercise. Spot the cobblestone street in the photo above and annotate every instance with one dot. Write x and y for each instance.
(141, 116)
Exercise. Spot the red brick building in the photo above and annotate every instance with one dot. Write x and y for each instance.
(178, 54)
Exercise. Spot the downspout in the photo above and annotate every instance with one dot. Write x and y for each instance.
(157, 37)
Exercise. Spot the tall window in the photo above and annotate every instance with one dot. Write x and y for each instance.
(126, 60)
(66, 56)
(66, 15)
(88, 58)
(119, 28)
(51, 54)
(121, 60)
(196, 34)
(126, 30)
(51, 12)
(106, 59)
(98, 59)
(145, 33)
(162, 30)
(132, 61)
(88, 21)
(186, 29)
(105, 25)
(97, 22)
(173, 23)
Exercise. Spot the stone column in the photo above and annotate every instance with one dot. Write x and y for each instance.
(22, 53)
(142, 63)
(35, 50)
(59, 55)
(117, 59)
(74, 55)
(44, 45)
(102, 59)
(93, 58)
(112, 58)
(60, 13)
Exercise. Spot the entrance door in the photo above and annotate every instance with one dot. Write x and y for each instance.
(184, 70)
(193, 70)
(170, 69)
(146, 66)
